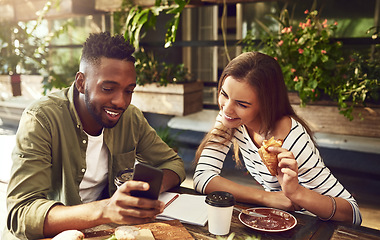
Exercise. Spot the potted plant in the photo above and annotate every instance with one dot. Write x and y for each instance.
(165, 88)
(11, 54)
(318, 70)
(316, 66)
(162, 87)
(22, 51)
(15, 49)
(23, 59)
(141, 18)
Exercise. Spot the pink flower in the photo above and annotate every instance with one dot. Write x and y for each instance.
(275, 58)
(336, 23)
(287, 30)
(280, 43)
(324, 24)
(313, 90)
(306, 11)
(296, 40)
(300, 50)
(323, 51)
(293, 70)
(295, 79)
(304, 25)
(308, 23)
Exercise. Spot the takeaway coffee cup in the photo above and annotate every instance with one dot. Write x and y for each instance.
(219, 208)
(123, 176)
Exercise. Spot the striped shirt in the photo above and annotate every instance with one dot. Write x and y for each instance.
(312, 172)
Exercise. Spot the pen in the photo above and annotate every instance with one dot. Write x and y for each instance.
(171, 200)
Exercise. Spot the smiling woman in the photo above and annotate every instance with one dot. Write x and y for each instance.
(240, 103)
(252, 111)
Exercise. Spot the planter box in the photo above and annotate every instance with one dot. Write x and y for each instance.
(16, 85)
(324, 116)
(27, 10)
(29, 86)
(173, 99)
(16, 94)
(12, 109)
(115, 5)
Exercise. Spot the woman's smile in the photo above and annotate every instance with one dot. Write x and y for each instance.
(228, 118)
(239, 104)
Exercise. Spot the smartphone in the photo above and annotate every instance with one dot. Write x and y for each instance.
(151, 175)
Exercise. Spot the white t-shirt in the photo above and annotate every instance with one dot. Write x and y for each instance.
(95, 177)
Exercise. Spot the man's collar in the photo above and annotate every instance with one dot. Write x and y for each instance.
(70, 96)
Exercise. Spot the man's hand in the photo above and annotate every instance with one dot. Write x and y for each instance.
(122, 208)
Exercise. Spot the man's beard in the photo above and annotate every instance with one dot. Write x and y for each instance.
(96, 115)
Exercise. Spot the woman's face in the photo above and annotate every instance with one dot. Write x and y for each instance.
(239, 104)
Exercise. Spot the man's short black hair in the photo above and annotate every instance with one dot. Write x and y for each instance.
(103, 44)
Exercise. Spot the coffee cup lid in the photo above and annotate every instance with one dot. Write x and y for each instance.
(220, 199)
(123, 176)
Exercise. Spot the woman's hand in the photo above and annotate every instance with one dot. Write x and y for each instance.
(280, 201)
(287, 173)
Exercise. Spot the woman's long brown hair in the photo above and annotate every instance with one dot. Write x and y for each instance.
(264, 74)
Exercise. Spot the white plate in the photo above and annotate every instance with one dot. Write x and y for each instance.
(276, 220)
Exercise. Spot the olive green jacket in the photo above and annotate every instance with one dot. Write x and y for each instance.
(49, 159)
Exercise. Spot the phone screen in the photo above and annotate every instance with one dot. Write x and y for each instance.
(151, 175)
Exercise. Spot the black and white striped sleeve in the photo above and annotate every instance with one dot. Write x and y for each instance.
(210, 164)
(313, 173)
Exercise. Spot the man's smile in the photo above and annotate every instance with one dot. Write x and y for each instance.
(112, 114)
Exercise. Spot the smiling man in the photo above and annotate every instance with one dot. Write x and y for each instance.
(72, 143)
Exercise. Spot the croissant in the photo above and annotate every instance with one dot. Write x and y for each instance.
(270, 159)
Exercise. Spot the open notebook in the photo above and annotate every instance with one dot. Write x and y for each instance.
(187, 208)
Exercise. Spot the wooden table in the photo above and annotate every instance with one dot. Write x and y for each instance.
(308, 227)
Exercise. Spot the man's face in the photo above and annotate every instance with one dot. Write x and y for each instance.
(108, 90)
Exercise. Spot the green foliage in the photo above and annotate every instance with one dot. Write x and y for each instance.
(21, 51)
(24, 51)
(140, 19)
(150, 70)
(60, 76)
(112, 237)
(232, 237)
(314, 65)
(137, 21)
(169, 138)
(360, 83)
